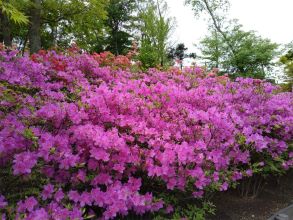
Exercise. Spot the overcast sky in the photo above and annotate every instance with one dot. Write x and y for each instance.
(270, 18)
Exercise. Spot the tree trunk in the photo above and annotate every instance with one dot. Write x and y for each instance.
(218, 26)
(217, 50)
(115, 34)
(1, 27)
(5, 35)
(6, 31)
(54, 35)
(24, 43)
(35, 27)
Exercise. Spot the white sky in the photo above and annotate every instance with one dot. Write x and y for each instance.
(272, 19)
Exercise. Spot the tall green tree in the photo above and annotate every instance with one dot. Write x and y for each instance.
(59, 22)
(155, 32)
(212, 49)
(119, 25)
(229, 47)
(215, 9)
(240, 52)
(66, 21)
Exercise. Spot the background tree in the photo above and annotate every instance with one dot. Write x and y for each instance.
(212, 49)
(8, 7)
(10, 15)
(236, 51)
(178, 53)
(59, 22)
(155, 31)
(252, 56)
(5, 35)
(67, 21)
(287, 61)
(215, 9)
(119, 25)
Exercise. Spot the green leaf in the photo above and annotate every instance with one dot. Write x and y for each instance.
(13, 14)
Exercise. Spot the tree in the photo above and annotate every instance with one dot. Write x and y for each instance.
(119, 24)
(231, 48)
(212, 49)
(215, 9)
(35, 26)
(59, 22)
(240, 52)
(287, 61)
(10, 14)
(155, 29)
(5, 30)
(8, 8)
(178, 53)
(77, 20)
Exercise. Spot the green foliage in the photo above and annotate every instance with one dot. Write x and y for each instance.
(66, 21)
(21, 188)
(95, 25)
(287, 61)
(13, 12)
(190, 211)
(212, 49)
(63, 22)
(194, 212)
(235, 51)
(240, 52)
(178, 53)
(155, 29)
(208, 6)
(148, 54)
(119, 25)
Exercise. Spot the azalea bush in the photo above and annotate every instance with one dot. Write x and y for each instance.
(80, 139)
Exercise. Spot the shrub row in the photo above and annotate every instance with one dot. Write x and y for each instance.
(83, 136)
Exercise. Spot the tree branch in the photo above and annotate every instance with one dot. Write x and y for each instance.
(217, 26)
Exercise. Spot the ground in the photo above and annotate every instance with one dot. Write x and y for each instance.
(277, 194)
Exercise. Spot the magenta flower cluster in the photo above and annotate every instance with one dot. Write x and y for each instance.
(97, 136)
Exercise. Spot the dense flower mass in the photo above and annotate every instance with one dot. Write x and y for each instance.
(101, 141)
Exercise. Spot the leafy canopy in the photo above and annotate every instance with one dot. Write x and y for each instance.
(12, 11)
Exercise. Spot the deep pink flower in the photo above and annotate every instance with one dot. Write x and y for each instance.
(74, 196)
(100, 154)
(29, 204)
(59, 195)
(224, 186)
(47, 191)
(249, 172)
(24, 162)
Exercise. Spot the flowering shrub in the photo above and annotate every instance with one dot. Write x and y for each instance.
(109, 59)
(95, 141)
